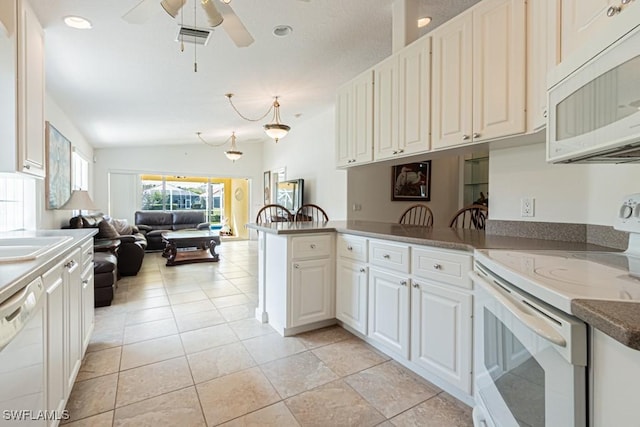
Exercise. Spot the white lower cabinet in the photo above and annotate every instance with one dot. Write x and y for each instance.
(389, 311)
(351, 294)
(441, 331)
(311, 291)
(69, 309)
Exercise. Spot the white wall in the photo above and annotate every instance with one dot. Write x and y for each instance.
(58, 118)
(370, 187)
(192, 160)
(308, 152)
(585, 194)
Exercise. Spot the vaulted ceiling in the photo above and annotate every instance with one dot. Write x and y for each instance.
(128, 84)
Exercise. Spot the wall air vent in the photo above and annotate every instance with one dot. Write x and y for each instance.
(193, 35)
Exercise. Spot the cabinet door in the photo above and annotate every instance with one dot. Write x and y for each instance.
(389, 311)
(543, 53)
(74, 317)
(56, 382)
(441, 332)
(87, 306)
(31, 93)
(385, 107)
(451, 121)
(362, 118)
(312, 295)
(344, 126)
(351, 295)
(499, 48)
(414, 87)
(580, 20)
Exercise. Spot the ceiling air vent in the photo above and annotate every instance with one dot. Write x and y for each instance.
(193, 35)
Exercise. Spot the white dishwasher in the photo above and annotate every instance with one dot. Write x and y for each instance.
(22, 340)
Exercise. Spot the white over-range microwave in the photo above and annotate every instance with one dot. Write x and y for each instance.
(594, 112)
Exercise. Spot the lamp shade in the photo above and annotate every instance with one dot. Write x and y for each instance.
(79, 200)
(172, 7)
(276, 131)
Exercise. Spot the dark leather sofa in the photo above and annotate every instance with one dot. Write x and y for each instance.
(130, 253)
(153, 223)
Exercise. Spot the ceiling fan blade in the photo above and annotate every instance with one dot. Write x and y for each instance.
(234, 27)
(140, 13)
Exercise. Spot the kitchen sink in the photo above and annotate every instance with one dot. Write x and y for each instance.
(15, 249)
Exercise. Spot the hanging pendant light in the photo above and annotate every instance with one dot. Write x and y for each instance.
(276, 130)
(233, 154)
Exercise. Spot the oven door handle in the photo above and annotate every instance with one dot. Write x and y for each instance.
(537, 324)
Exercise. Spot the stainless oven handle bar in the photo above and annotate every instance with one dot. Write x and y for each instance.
(536, 324)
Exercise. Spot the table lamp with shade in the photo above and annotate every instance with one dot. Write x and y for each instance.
(79, 201)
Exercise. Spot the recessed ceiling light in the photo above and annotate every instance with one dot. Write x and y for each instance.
(423, 22)
(282, 31)
(78, 22)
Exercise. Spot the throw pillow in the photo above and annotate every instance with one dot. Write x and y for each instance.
(106, 231)
(122, 226)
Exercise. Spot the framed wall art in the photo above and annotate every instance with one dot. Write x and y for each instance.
(267, 187)
(411, 182)
(58, 178)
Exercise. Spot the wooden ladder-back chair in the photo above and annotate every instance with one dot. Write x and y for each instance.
(470, 217)
(311, 212)
(273, 213)
(417, 215)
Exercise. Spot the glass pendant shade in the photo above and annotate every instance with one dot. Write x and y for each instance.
(233, 154)
(276, 131)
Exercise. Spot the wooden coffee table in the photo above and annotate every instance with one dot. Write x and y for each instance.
(190, 246)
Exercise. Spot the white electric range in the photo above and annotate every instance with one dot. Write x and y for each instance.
(530, 353)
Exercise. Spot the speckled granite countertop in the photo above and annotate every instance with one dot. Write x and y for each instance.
(16, 275)
(447, 238)
(618, 319)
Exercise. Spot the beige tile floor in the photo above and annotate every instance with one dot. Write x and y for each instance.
(179, 347)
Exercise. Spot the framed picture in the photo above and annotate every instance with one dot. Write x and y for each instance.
(58, 178)
(267, 187)
(411, 181)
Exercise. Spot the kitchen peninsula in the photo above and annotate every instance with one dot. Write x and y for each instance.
(404, 289)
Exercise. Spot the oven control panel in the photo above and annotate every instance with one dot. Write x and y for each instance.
(628, 216)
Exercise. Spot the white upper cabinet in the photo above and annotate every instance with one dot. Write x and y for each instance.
(543, 53)
(354, 121)
(402, 102)
(581, 19)
(479, 74)
(22, 85)
(452, 82)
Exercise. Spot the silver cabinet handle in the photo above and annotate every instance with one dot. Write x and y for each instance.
(465, 137)
(27, 166)
(626, 1)
(296, 265)
(400, 151)
(395, 151)
(416, 285)
(386, 256)
(613, 10)
(545, 114)
(349, 248)
(312, 246)
(437, 267)
(362, 270)
(476, 135)
(84, 284)
(70, 264)
(403, 283)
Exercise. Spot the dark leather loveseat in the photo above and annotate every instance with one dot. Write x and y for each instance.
(153, 223)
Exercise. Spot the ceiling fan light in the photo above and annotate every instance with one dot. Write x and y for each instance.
(276, 131)
(213, 16)
(172, 7)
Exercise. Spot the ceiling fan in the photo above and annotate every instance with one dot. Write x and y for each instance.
(221, 14)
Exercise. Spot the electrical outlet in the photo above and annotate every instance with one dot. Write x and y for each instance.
(527, 207)
(357, 206)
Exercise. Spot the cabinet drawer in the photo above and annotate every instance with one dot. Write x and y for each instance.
(311, 246)
(443, 266)
(389, 255)
(87, 252)
(352, 247)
